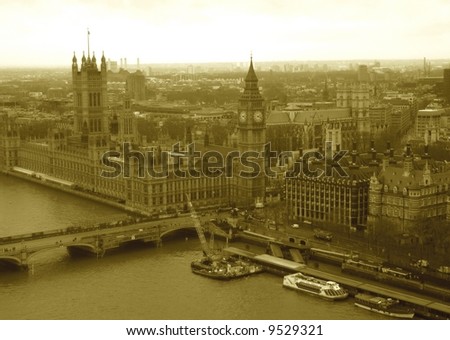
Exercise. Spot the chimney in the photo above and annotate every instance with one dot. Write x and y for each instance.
(391, 156)
(385, 161)
(338, 147)
(408, 150)
(354, 154)
(374, 156)
(353, 159)
(300, 153)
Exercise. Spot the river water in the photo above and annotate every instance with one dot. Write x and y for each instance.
(138, 283)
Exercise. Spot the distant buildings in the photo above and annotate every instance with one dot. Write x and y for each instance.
(363, 74)
(428, 124)
(55, 93)
(400, 119)
(357, 98)
(136, 86)
(112, 65)
(446, 87)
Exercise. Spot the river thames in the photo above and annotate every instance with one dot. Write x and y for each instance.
(139, 283)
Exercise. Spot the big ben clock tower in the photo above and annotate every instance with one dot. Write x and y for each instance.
(252, 137)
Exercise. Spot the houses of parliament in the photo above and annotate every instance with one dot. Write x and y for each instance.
(73, 156)
(403, 189)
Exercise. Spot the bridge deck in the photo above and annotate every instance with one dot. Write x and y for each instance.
(100, 238)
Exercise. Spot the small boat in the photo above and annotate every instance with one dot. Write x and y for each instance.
(381, 305)
(226, 268)
(326, 289)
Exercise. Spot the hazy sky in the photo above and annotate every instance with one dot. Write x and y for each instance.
(46, 32)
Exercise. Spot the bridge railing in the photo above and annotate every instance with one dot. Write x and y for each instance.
(78, 229)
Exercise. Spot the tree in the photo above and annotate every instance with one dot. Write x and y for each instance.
(434, 239)
(382, 236)
(439, 151)
(219, 133)
(274, 91)
(176, 128)
(147, 128)
(276, 212)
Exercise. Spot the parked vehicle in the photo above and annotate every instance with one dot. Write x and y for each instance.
(444, 269)
(420, 264)
(323, 235)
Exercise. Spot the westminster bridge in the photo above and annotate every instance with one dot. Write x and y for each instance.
(18, 250)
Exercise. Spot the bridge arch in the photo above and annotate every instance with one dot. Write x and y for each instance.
(43, 250)
(167, 231)
(11, 261)
(83, 248)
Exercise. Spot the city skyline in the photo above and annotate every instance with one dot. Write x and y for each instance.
(47, 33)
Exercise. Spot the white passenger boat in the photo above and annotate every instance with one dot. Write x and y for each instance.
(326, 289)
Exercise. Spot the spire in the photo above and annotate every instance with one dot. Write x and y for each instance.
(251, 75)
(83, 59)
(103, 64)
(88, 35)
(74, 63)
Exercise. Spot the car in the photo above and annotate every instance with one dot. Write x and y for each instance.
(295, 226)
(444, 269)
(421, 263)
(323, 235)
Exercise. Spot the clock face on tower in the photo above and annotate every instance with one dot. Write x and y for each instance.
(243, 117)
(258, 116)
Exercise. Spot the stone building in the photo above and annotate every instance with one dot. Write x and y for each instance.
(333, 198)
(409, 189)
(76, 158)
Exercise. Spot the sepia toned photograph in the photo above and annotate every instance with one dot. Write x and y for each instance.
(225, 160)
